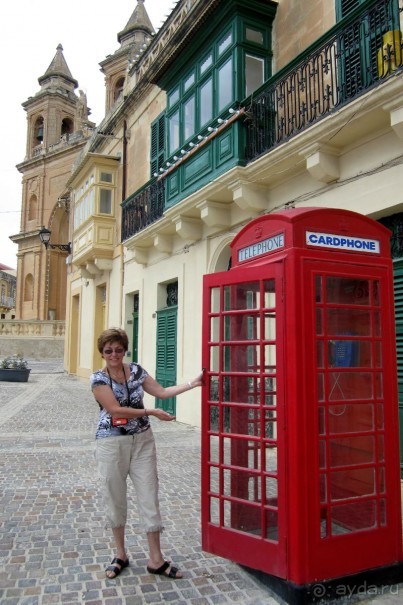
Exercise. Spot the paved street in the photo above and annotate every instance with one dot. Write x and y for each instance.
(53, 548)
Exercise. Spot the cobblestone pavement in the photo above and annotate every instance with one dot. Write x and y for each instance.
(53, 548)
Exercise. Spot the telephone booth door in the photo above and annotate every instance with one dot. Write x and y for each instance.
(243, 465)
(355, 499)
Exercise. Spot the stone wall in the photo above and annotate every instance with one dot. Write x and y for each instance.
(32, 339)
(32, 348)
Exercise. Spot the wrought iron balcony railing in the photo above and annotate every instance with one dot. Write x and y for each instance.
(7, 302)
(143, 208)
(394, 222)
(353, 57)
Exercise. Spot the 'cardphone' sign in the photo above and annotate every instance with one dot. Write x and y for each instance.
(342, 242)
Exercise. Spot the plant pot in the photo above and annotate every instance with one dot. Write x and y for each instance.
(14, 375)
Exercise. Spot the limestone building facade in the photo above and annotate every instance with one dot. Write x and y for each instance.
(233, 109)
(8, 282)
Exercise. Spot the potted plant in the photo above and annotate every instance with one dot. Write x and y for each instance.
(14, 369)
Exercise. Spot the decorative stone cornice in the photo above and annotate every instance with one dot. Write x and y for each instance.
(189, 229)
(163, 243)
(395, 109)
(215, 214)
(140, 254)
(322, 162)
(103, 264)
(249, 196)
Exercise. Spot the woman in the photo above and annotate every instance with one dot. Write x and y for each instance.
(125, 447)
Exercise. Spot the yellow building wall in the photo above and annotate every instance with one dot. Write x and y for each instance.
(150, 283)
(309, 21)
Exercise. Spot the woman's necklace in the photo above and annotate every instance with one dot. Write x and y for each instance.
(127, 386)
(115, 375)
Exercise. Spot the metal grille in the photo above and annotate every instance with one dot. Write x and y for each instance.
(395, 224)
(143, 209)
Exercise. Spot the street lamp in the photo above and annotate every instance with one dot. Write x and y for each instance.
(44, 236)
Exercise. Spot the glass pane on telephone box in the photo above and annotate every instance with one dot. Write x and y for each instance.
(349, 333)
(242, 416)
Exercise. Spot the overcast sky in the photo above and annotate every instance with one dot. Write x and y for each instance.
(30, 33)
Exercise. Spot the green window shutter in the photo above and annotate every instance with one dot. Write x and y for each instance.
(166, 354)
(345, 7)
(394, 223)
(170, 360)
(398, 282)
(135, 315)
(398, 286)
(157, 144)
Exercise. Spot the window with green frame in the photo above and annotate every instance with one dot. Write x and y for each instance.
(256, 56)
(228, 70)
(202, 93)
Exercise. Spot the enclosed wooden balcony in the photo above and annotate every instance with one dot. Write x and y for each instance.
(93, 246)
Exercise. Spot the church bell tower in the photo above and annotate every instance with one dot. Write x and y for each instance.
(57, 129)
(133, 39)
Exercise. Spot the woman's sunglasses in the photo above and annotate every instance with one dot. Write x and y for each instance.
(119, 351)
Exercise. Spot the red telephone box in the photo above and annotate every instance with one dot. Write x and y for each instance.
(300, 444)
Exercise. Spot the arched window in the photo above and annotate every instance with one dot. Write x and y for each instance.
(29, 288)
(32, 208)
(118, 88)
(38, 131)
(67, 127)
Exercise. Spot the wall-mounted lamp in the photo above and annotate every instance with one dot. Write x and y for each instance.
(44, 236)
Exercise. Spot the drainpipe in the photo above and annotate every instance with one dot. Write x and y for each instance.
(124, 185)
(124, 160)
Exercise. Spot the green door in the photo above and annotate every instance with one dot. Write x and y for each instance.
(398, 279)
(166, 354)
(135, 314)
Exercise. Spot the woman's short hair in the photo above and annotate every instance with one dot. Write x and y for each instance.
(112, 335)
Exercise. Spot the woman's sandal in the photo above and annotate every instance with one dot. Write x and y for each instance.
(116, 567)
(162, 571)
